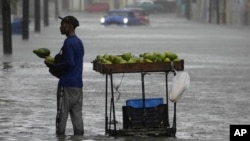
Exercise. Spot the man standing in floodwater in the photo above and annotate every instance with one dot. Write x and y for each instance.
(68, 67)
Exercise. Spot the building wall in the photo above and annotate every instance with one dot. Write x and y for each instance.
(76, 5)
(79, 5)
(235, 12)
(211, 11)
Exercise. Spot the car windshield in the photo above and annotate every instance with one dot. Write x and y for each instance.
(118, 13)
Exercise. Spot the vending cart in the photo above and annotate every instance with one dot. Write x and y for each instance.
(144, 116)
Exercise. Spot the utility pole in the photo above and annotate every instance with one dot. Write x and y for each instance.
(46, 12)
(25, 25)
(217, 11)
(65, 5)
(224, 14)
(37, 16)
(210, 12)
(188, 9)
(6, 21)
(56, 9)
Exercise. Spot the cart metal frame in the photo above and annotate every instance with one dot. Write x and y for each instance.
(110, 116)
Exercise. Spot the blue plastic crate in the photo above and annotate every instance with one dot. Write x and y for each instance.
(149, 102)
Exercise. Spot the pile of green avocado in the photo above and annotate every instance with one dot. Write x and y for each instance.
(44, 53)
(146, 57)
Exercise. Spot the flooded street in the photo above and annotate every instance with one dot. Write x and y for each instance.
(216, 57)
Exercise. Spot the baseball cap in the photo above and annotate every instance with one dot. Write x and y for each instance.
(70, 19)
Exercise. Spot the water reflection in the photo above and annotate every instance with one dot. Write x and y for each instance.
(7, 66)
(70, 138)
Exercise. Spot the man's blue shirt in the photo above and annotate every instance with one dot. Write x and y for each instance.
(71, 65)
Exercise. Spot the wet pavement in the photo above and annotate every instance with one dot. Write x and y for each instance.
(216, 57)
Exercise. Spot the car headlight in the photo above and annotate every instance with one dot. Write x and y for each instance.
(102, 20)
(125, 20)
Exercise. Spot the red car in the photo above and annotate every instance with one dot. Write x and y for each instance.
(97, 7)
(141, 14)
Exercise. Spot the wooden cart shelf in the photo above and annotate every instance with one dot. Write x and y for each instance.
(143, 68)
(138, 67)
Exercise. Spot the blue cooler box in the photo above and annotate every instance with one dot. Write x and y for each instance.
(154, 115)
(149, 102)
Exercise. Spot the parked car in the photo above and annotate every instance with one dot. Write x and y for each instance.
(141, 14)
(120, 17)
(97, 7)
(149, 7)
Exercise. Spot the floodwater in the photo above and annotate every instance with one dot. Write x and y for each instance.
(216, 57)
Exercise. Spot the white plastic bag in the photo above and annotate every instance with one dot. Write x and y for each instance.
(181, 83)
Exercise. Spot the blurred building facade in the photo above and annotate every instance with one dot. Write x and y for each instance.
(79, 5)
(233, 12)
